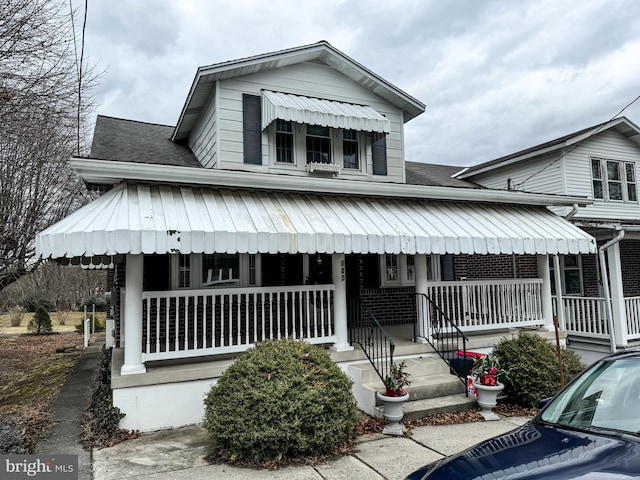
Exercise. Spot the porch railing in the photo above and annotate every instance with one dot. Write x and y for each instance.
(444, 336)
(584, 316)
(190, 323)
(632, 307)
(366, 331)
(476, 305)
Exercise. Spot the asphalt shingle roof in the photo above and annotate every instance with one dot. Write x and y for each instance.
(131, 141)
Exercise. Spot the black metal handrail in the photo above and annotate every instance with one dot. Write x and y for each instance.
(366, 331)
(445, 337)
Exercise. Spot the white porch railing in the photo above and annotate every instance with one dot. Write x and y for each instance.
(476, 305)
(632, 307)
(190, 323)
(584, 316)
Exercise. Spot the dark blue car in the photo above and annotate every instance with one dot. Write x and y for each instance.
(590, 430)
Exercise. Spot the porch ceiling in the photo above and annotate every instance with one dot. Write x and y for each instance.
(143, 218)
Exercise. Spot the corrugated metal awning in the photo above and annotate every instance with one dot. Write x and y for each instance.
(315, 111)
(141, 218)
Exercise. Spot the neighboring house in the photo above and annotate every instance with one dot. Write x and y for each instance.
(281, 205)
(600, 163)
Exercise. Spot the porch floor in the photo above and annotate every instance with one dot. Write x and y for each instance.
(203, 368)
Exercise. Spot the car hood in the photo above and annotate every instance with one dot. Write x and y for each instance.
(535, 451)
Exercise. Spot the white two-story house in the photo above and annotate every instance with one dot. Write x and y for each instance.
(278, 206)
(600, 292)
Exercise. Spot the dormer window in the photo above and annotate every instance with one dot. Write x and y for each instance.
(322, 135)
(318, 144)
(350, 149)
(284, 141)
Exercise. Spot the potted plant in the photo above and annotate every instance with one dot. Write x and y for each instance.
(488, 380)
(394, 396)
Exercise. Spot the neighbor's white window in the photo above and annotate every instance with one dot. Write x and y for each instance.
(614, 180)
(571, 274)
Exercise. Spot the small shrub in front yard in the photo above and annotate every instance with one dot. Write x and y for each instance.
(280, 400)
(534, 370)
(10, 438)
(16, 315)
(41, 322)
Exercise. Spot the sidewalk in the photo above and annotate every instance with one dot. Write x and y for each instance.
(181, 454)
(66, 415)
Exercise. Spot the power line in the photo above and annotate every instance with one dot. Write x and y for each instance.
(577, 144)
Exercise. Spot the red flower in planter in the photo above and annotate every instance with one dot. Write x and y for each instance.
(487, 371)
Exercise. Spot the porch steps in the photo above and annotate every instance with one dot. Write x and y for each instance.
(433, 389)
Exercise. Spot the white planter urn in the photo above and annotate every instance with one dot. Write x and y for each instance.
(393, 412)
(487, 399)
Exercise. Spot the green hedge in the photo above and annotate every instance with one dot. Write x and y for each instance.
(534, 370)
(281, 399)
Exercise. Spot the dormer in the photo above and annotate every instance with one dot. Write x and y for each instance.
(309, 111)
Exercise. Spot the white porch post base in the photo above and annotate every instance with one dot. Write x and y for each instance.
(133, 369)
(338, 275)
(133, 316)
(341, 347)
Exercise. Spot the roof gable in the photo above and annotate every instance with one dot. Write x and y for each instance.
(205, 78)
(621, 124)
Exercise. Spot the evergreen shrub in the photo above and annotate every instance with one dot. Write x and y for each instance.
(533, 365)
(282, 399)
(41, 322)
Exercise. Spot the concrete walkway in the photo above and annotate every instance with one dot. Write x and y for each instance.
(63, 438)
(181, 454)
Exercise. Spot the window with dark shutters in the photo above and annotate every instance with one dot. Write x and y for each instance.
(251, 128)
(379, 156)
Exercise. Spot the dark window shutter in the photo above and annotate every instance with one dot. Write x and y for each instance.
(251, 129)
(379, 156)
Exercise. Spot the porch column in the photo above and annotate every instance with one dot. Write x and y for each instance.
(617, 295)
(420, 269)
(547, 305)
(133, 316)
(340, 303)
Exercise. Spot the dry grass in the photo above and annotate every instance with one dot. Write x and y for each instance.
(31, 375)
(73, 319)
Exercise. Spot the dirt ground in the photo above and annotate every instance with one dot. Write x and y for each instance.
(32, 370)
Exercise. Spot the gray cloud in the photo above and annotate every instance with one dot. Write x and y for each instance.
(496, 76)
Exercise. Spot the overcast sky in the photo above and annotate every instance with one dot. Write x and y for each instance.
(496, 76)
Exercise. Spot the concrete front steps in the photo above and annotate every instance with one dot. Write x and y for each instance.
(433, 389)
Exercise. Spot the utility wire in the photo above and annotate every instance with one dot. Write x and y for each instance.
(518, 185)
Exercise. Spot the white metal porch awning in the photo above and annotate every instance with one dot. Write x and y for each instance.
(315, 111)
(142, 218)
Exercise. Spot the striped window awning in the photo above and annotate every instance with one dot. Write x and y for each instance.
(144, 218)
(315, 111)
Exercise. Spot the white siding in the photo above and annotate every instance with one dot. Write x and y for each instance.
(310, 79)
(539, 175)
(610, 145)
(571, 175)
(203, 139)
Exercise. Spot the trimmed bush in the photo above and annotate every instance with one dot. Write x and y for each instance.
(533, 365)
(41, 322)
(281, 399)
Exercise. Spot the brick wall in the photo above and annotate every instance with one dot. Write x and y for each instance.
(480, 267)
(630, 259)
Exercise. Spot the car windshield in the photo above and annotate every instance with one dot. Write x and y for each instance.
(605, 398)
